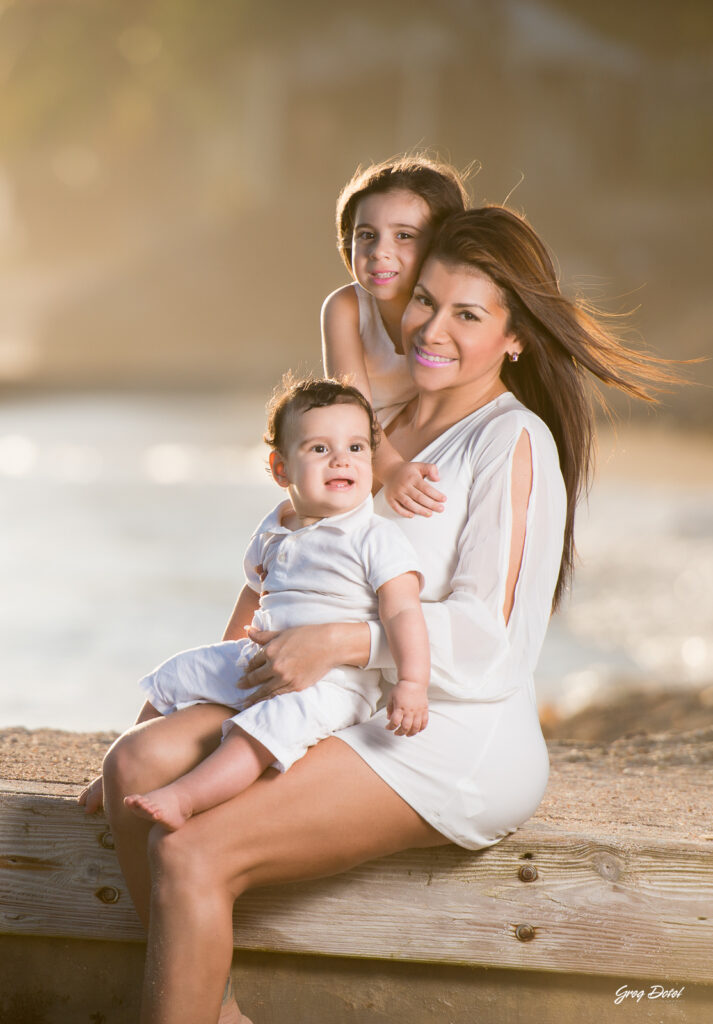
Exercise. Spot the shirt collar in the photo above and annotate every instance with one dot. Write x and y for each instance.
(345, 522)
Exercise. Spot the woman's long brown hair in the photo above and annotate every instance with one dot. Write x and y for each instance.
(562, 340)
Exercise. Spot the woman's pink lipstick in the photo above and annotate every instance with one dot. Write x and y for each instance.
(430, 360)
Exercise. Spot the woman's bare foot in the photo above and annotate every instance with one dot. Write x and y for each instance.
(161, 805)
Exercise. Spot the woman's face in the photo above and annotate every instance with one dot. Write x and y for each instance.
(454, 329)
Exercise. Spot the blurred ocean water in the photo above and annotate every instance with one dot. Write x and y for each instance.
(124, 520)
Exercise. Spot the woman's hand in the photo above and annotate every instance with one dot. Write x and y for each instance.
(407, 710)
(92, 796)
(294, 659)
(407, 491)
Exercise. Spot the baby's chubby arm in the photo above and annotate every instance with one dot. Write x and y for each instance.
(245, 607)
(402, 617)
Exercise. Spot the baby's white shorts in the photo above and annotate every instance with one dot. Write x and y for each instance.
(287, 724)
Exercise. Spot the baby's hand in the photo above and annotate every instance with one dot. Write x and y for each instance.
(407, 709)
(407, 491)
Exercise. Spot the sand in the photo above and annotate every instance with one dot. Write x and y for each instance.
(655, 784)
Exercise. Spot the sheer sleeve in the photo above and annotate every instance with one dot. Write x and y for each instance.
(475, 654)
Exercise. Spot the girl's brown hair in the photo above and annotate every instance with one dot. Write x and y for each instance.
(562, 339)
(438, 184)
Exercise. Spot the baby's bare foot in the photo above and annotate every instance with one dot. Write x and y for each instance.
(160, 805)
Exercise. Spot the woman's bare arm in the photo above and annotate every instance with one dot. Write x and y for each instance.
(520, 490)
(297, 658)
(245, 607)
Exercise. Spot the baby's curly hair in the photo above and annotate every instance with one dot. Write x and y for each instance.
(297, 395)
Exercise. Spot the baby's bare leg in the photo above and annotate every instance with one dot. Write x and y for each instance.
(238, 762)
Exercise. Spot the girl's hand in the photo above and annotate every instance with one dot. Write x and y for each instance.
(292, 659)
(407, 491)
(92, 796)
(407, 709)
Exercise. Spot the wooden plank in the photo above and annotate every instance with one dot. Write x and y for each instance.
(597, 905)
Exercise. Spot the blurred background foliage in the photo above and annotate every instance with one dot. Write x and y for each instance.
(168, 169)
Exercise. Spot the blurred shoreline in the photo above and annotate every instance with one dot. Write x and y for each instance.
(126, 516)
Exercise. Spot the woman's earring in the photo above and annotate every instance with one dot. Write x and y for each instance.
(514, 356)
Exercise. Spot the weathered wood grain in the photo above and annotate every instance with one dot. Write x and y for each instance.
(597, 905)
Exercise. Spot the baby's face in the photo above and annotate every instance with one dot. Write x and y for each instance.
(328, 462)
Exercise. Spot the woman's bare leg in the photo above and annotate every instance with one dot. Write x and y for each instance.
(329, 812)
(147, 756)
(239, 761)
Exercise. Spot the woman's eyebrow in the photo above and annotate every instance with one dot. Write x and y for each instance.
(454, 305)
(470, 305)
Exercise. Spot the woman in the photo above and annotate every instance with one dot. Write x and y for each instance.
(497, 355)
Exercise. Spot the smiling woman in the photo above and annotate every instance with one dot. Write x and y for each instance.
(450, 327)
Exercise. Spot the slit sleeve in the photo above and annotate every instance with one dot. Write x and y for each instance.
(475, 653)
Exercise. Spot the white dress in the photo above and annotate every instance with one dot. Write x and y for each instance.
(480, 768)
(390, 382)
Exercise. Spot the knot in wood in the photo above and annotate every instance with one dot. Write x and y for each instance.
(527, 873)
(106, 839)
(525, 932)
(608, 866)
(108, 894)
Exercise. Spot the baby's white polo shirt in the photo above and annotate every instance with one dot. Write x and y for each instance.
(328, 571)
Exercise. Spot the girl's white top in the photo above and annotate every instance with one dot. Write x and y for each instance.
(389, 379)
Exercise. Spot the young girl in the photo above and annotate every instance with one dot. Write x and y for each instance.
(386, 217)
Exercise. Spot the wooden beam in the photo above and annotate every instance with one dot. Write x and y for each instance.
(595, 905)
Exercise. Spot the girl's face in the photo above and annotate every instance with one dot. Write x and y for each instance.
(454, 329)
(392, 232)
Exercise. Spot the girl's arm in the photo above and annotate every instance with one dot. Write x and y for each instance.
(402, 618)
(342, 348)
(405, 483)
(405, 486)
(245, 607)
